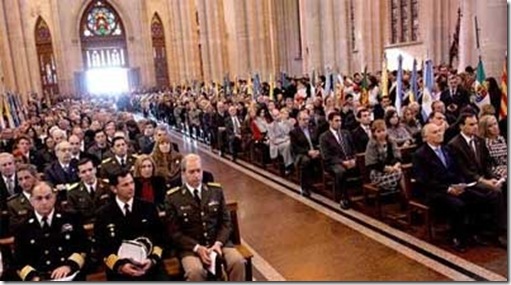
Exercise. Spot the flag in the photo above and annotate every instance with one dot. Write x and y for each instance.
(272, 86)
(413, 84)
(384, 77)
(340, 89)
(227, 85)
(364, 92)
(8, 114)
(429, 83)
(503, 87)
(2, 113)
(482, 97)
(250, 87)
(257, 86)
(454, 49)
(313, 84)
(399, 85)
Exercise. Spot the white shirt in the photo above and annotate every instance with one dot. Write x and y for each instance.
(94, 185)
(6, 180)
(121, 204)
(27, 195)
(191, 189)
(119, 159)
(49, 218)
(336, 135)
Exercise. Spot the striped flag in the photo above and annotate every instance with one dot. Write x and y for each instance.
(2, 114)
(384, 77)
(313, 84)
(414, 86)
(399, 85)
(8, 114)
(429, 83)
(482, 97)
(503, 87)
(364, 90)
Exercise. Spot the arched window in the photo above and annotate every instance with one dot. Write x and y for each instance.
(103, 37)
(46, 59)
(159, 51)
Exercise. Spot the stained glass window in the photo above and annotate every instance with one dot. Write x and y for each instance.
(101, 21)
(159, 51)
(47, 67)
(404, 21)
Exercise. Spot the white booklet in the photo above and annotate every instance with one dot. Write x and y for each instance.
(133, 250)
(212, 266)
(67, 278)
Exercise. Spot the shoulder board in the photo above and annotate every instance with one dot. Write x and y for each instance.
(214, 184)
(73, 186)
(12, 197)
(106, 160)
(105, 180)
(173, 190)
(135, 156)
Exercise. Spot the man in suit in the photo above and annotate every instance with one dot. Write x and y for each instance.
(455, 97)
(199, 223)
(8, 182)
(24, 145)
(76, 153)
(304, 146)
(146, 142)
(439, 179)
(362, 133)
(473, 159)
(100, 149)
(19, 206)
(218, 127)
(63, 172)
(339, 156)
(88, 195)
(119, 160)
(129, 218)
(233, 131)
(49, 244)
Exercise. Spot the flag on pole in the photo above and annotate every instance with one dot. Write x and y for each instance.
(503, 87)
(482, 97)
(399, 85)
(313, 84)
(272, 86)
(414, 86)
(364, 92)
(429, 83)
(328, 84)
(384, 77)
(341, 86)
(2, 113)
(8, 114)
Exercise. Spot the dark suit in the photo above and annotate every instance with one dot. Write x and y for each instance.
(100, 153)
(472, 167)
(159, 190)
(4, 193)
(234, 142)
(111, 165)
(461, 98)
(360, 139)
(300, 148)
(146, 144)
(86, 206)
(19, 208)
(433, 180)
(39, 253)
(112, 227)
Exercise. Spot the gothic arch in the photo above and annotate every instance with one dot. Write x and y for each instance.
(159, 51)
(45, 57)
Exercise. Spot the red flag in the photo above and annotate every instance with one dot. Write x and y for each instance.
(503, 87)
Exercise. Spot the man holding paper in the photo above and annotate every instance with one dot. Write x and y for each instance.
(200, 225)
(438, 175)
(129, 234)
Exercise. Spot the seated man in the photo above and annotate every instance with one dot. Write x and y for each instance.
(439, 176)
(63, 172)
(339, 155)
(49, 244)
(304, 145)
(129, 218)
(120, 160)
(19, 206)
(199, 223)
(233, 129)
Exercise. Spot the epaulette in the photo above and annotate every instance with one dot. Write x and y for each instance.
(173, 190)
(106, 160)
(214, 184)
(12, 197)
(135, 155)
(105, 180)
(73, 186)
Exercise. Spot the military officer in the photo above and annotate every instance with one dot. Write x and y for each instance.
(119, 160)
(62, 172)
(88, 195)
(49, 244)
(199, 223)
(18, 206)
(129, 218)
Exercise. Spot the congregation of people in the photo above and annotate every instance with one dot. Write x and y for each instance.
(95, 162)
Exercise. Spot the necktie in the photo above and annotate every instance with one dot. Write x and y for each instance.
(440, 155)
(307, 135)
(66, 168)
(236, 125)
(123, 162)
(91, 191)
(196, 196)
(10, 186)
(127, 209)
(46, 226)
(342, 143)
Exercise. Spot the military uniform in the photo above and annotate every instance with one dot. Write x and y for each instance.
(191, 223)
(81, 202)
(112, 227)
(18, 208)
(38, 253)
(111, 165)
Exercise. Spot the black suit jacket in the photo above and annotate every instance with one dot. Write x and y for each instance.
(146, 144)
(112, 227)
(432, 176)
(331, 150)
(460, 98)
(360, 139)
(56, 175)
(299, 143)
(472, 167)
(159, 189)
(229, 126)
(4, 194)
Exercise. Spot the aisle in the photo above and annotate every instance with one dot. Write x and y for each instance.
(301, 243)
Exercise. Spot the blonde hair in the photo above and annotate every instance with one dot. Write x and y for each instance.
(484, 122)
(138, 164)
(165, 163)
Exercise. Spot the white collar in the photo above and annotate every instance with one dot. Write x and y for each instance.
(467, 139)
(27, 195)
(119, 158)
(40, 218)
(121, 204)
(434, 148)
(93, 185)
(191, 189)
(13, 177)
(336, 133)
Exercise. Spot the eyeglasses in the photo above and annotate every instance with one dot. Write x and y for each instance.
(40, 198)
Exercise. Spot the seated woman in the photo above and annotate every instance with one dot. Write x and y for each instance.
(167, 160)
(497, 147)
(148, 186)
(382, 159)
(396, 131)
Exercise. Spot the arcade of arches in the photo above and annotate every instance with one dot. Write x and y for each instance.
(48, 46)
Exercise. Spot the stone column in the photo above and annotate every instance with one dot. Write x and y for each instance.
(313, 39)
(492, 20)
(6, 59)
(327, 33)
(342, 43)
(204, 39)
(231, 23)
(253, 30)
(467, 42)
